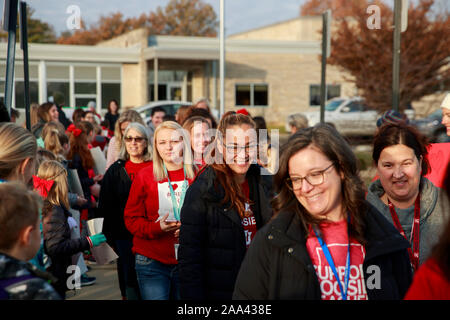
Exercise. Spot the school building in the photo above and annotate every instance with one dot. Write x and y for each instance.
(272, 71)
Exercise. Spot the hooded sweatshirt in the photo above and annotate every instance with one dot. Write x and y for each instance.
(434, 214)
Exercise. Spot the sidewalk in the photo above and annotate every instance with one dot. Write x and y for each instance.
(105, 288)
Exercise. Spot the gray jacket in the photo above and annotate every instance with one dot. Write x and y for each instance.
(434, 213)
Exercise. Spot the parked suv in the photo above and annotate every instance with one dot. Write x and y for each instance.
(350, 116)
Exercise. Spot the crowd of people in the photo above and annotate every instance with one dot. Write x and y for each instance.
(195, 210)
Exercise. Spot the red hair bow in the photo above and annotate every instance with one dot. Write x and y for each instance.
(243, 111)
(42, 186)
(74, 130)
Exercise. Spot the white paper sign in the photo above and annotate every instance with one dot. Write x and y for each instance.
(74, 182)
(103, 253)
(99, 160)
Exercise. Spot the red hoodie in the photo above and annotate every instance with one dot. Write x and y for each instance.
(148, 201)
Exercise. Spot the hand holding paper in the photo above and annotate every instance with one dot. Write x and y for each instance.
(101, 251)
(97, 239)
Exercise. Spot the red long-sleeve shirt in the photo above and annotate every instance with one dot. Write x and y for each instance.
(429, 283)
(148, 201)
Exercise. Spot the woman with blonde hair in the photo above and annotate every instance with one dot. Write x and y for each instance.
(17, 153)
(51, 183)
(55, 139)
(135, 155)
(115, 144)
(197, 128)
(152, 213)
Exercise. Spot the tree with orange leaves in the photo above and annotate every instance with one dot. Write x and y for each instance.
(366, 53)
(179, 17)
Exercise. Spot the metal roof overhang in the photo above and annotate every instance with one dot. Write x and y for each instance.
(75, 53)
(201, 48)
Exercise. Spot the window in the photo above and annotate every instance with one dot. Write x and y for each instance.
(252, 95)
(20, 96)
(86, 87)
(333, 91)
(110, 91)
(59, 91)
(162, 92)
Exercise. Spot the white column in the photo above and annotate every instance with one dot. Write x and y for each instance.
(99, 90)
(155, 79)
(72, 86)
(42, 91)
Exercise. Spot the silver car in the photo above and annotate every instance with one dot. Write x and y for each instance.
(350, 116)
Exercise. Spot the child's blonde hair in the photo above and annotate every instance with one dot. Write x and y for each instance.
(59, 193)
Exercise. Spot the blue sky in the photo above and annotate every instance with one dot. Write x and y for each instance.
(240, 15)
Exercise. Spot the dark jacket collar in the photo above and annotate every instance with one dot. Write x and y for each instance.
(286, 232)
(214, 193)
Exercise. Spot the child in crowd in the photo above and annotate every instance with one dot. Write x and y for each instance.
(52, 184)
(19, 242)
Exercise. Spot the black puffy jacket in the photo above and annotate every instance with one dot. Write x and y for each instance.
(212, 241)
(59, 246)
(278, 266)
(113, 198)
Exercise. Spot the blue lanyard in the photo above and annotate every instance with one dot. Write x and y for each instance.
(333, 267)
(175, 206)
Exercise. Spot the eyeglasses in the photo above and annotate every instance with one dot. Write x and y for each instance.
(314, 178)
(137, 139)
(237, 149)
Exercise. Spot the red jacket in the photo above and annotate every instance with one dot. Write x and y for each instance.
(148, 201)
(429, 283)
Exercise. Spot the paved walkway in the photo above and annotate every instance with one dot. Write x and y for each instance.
(105, 288)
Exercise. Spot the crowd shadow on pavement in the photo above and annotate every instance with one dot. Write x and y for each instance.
(105, 288)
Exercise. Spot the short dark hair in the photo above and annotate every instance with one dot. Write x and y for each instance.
(391, 134)
(16, 215)
(157, 109)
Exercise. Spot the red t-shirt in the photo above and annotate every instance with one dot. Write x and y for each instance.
(249, 222)
(149, 200)
(133, 168)
(429, 283)
(336, 237)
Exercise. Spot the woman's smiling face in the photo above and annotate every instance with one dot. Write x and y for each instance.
(325, 199)
(399, 171)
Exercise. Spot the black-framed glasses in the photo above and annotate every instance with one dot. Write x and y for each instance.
(314, 178)
(236, 149)
(137, 139)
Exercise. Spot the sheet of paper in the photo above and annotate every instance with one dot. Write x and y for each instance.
(74, 182)
(103, 253)
(77, 259)
(99, 160)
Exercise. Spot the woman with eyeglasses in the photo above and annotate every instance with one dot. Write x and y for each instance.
(225, 206)
(152, 213)
(325, 241)
(135, 155)
(115, 144)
